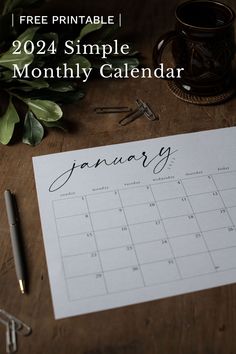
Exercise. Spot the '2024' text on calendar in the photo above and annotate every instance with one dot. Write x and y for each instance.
(134, 222)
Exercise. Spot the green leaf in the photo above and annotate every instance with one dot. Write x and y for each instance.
(56, 96)
(47, 94)
(37, 84)
(62, 86)
(33, 130)
(67, 97)
(48, 38)
(132, 51)
(44, 110)
(108, 33)
(78, 59)
(7, 59)
(28, 35)
(6, 75)
(7, 123)
(91, 27)
(58, 125)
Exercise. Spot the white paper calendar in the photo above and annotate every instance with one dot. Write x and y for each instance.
(134, 222)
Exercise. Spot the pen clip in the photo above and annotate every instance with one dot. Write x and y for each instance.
(12, 213)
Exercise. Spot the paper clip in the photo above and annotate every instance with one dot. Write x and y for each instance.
(11, 345)
(20, 327)
(109, 110)
(13, 327)
(143, 109)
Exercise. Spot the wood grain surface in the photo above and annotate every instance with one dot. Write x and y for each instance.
(198, 323)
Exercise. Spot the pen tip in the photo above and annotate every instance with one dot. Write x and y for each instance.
(22, 286)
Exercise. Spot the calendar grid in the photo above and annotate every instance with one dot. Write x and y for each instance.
(172, 217)
(113, 225)
(132, 240)
(63, 268)
(150, 185)
(160, 223)
(199, 228)
(97, 252)
(149, 286)
(224, 202)
(110, 271)
(149, 242)
(199, 176)
(163, 219)
(172, 252)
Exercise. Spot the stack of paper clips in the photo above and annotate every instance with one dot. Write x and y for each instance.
(13, 327)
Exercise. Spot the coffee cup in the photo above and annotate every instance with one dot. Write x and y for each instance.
(203, 44)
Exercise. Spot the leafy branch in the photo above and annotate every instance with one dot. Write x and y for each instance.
(36, 104)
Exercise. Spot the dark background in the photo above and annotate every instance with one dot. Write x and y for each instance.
(198, 323)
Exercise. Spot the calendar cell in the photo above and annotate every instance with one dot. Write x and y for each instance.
(214, 219)
(133, 196)
(108, 219)
(229, 197)
(168, 190)
(73, 245)
(146, 232)
(141, 213)
(225, 180)
(73, 225)
(70, 207)
(232, 213)
(118, 258)
(124, 279)
(195, 265)
(86, 286)
(222, 238)
(199, 185)
(225, 259)
(113, 238)
(188, 245)
(82, 264)
(206, 201)
(174, 207)
(153, 251)
(160, 272)
(103, 201)
(182, 225)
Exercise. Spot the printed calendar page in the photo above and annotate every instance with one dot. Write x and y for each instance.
(134, 222)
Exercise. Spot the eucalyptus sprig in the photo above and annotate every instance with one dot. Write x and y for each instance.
(35, 105)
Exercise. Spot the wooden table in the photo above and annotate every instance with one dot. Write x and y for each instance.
(198, 323)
